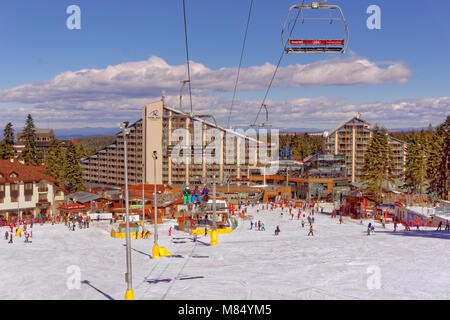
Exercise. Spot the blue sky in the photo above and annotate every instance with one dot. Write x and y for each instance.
(37, 47)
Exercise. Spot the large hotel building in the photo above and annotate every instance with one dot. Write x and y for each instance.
(157, 131)
(351, 139)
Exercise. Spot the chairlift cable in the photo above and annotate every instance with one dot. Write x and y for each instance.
(187, 53)
(276, 69)
(240, 62)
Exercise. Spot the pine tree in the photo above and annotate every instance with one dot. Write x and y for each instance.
(378, 162)
(416, 163)
(83, 152)
(7, 150)
(29, 153)
(439, 160)
(55, 162)
(72, 169)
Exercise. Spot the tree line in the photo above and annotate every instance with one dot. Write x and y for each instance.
(302, 146)
(427, 162)
(63, 164)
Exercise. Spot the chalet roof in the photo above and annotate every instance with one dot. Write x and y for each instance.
(25, 173)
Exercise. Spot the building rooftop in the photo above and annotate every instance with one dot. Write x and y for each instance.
(12, 171)
(83, 197)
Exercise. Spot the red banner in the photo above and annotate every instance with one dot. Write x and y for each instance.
(317, 42)
(73, 207)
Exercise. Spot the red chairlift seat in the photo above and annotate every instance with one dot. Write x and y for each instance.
(293, 45)
(315, 46)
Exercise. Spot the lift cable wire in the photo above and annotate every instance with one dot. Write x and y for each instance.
(187, 54)
(276, 69)
(240, 62)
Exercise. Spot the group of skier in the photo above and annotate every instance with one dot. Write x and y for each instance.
(195, 195)
(19, 230)
(83, 223)
(259, 226)
(288, 208)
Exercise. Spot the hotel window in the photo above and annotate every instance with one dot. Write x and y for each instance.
(42, 197)
(2, 193)
(28, 191)
(14, 192)
(42, 187)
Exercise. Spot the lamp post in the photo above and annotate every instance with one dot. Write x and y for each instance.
(18, 200)
(214, 204)
(143, 197)
(129, 294)
(155, 246)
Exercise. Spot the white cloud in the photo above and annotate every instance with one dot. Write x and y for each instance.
(322, 113)
(117, 93)
(148, 78)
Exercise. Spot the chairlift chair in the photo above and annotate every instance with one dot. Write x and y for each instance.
(264, 124)
(295, 45)
(189, 115)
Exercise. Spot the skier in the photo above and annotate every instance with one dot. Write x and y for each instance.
(262, 227)
(395, 226)
(277, 230)
(311, 231)
(439, 228)
(186, 195)
(303, 223)
(6, 235)
(369, 228)
(11, 239)
(170, 231)
(196, 195)
(340, 220)
(447, 227)
(205, 193)
(251, 225)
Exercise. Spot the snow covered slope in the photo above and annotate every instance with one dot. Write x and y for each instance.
(338, 262)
